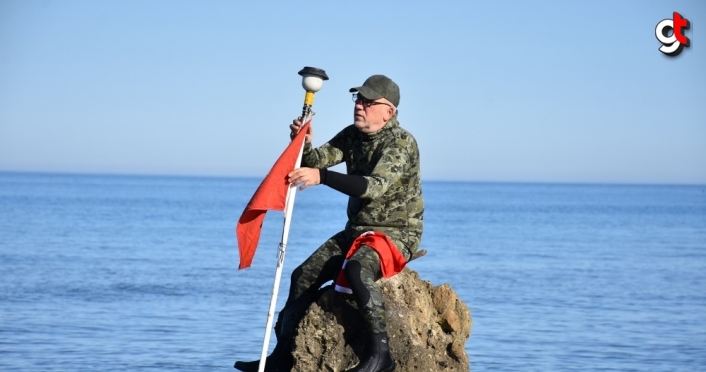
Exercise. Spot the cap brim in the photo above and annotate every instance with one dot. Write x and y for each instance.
(366, 92)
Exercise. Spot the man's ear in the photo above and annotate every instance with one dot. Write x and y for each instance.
(389, 114)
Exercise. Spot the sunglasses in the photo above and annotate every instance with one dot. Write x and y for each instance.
(357, 98)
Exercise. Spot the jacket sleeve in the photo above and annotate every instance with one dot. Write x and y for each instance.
(326, 155)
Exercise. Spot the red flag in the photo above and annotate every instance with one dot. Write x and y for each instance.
(270, 195)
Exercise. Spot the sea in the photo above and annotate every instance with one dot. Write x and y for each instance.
(140, 273)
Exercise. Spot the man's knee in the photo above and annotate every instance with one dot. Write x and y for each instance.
(354, 275)
(296, 274)
(369, 262)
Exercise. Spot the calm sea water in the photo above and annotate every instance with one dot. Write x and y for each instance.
(128, 273)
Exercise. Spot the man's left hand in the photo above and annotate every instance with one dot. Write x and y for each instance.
(304, 176)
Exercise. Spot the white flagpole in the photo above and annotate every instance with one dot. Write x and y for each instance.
(289, 207)
(312, 80)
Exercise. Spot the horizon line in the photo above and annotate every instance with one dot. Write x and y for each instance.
(435, 179)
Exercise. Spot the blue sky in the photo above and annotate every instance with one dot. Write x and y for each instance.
(543, 91)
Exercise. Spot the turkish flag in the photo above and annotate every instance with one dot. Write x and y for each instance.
(270, 195)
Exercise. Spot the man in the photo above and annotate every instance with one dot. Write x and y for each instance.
(385, 196)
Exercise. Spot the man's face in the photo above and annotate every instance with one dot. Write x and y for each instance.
(370, 116)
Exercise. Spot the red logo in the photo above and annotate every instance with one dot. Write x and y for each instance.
(670, 32)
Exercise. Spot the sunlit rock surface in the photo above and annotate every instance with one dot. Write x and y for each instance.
(428, 327)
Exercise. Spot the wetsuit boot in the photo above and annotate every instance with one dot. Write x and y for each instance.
(361, 272)
(379, 358)
(279, 360)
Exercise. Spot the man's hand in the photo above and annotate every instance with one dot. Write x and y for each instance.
(305, 176)
(297, 126)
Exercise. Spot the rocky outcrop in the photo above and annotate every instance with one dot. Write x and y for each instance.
(427, 326)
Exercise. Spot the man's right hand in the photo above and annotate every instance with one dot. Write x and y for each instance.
(297, 126)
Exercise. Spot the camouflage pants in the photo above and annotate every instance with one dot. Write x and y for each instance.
(362, 270)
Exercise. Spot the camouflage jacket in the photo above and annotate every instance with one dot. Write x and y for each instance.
(389, 160)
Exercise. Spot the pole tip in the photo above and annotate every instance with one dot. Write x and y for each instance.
(314, 71)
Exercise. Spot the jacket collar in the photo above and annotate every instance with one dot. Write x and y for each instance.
(392, 123)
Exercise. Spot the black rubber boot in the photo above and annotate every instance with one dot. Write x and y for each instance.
(379, 358)
(279, 361)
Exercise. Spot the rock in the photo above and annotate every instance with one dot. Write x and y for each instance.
(427, 326)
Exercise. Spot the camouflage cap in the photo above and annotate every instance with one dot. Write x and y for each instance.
(379, 86)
